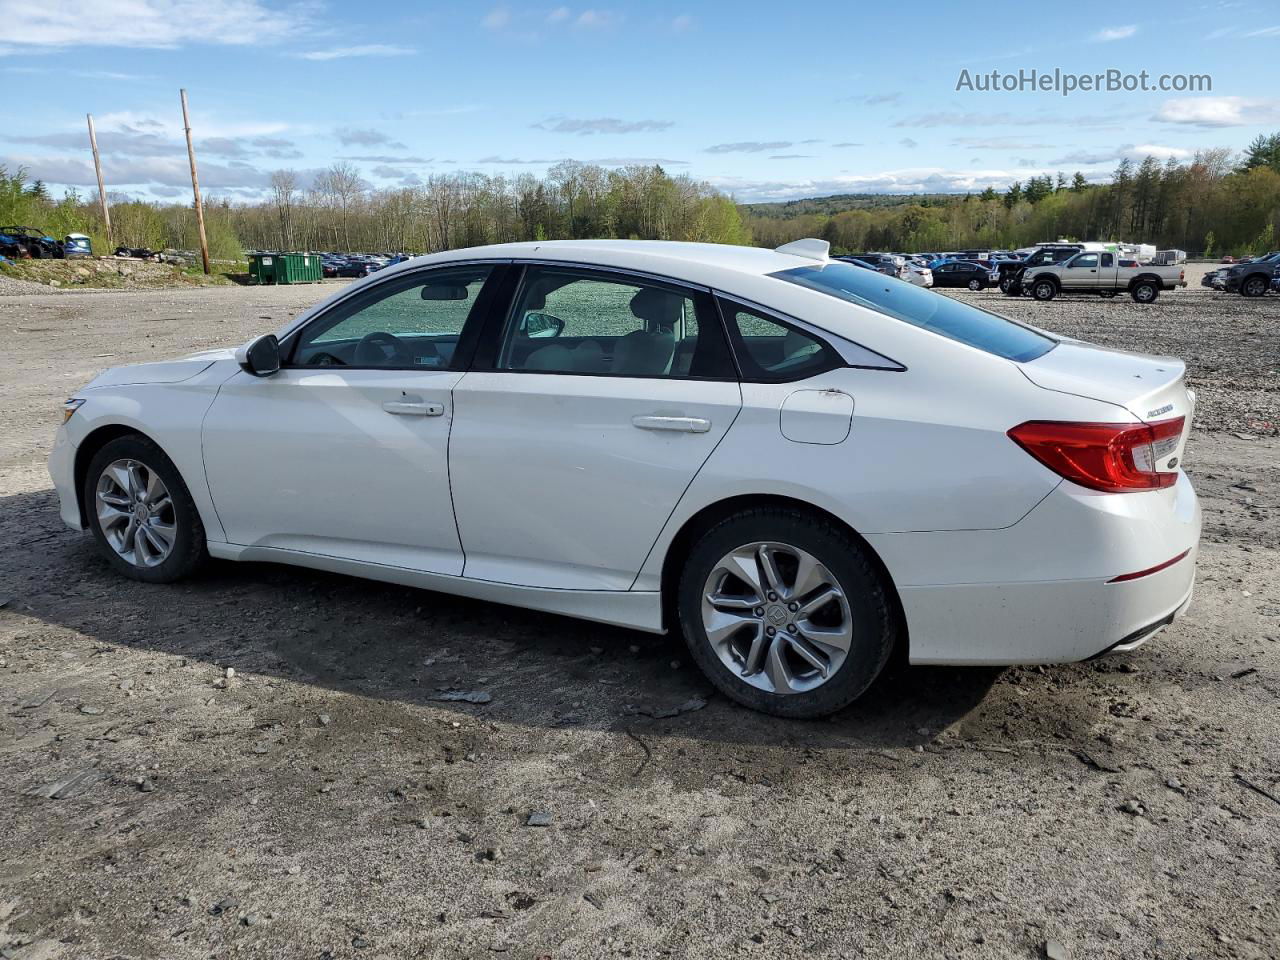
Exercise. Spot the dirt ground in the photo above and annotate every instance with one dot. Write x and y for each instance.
(321, 803)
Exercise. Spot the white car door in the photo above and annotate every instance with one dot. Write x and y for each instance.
(344, 452)
(576, 435)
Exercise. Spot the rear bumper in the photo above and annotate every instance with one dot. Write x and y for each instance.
(1041, 591)
(1048, 622)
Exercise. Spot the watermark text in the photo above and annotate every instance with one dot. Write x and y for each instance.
(1066, 83)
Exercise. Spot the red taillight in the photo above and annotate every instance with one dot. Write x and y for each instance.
(1112, 457)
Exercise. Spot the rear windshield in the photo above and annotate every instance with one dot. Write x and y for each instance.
(923, 308)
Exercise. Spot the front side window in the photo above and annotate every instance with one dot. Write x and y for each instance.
(1085, 260)
(922, 308)
(411, 322)
(581, 322)
(771, 350)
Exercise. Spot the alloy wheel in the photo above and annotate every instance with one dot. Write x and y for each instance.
(776, 617)
(136, 513)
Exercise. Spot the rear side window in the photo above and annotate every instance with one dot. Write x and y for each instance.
(922, 308)
(771, 350)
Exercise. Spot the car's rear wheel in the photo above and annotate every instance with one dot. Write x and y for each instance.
(1044, 290)
(141, 513)
(1254, 287)
(785, 612)
(1144, 292)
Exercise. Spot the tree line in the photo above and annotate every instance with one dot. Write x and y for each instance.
(1209, 205)
(1214, 203)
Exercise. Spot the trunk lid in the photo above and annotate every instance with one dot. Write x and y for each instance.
(1153, 389)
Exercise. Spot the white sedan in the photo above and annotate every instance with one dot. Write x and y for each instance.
(797, 463)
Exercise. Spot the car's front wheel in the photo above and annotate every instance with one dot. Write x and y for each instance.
(1044, 290)
(141, 513)
(785, 612)
(976, 285)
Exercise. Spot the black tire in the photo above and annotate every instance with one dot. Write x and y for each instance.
(1106, 294)
(190, 544)
(1005, 284)
(872, 616)
(1254, 286)
(1044, 290)
(975, 285)
(1144, 291)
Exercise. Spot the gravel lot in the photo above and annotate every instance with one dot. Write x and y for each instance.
(321, 803)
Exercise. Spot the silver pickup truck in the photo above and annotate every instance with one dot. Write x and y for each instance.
(1102, 273)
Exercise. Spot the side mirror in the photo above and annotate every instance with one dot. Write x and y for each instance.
(261, 356)
(542, 325)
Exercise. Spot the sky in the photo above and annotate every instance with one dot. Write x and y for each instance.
(765, 100)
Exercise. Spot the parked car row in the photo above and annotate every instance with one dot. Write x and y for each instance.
(1249, 277)
(32, 243)
(357, 265)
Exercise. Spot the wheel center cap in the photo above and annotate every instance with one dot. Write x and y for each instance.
(776, 614)
(140, 512)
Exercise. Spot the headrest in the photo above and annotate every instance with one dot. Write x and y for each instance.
(659, 309)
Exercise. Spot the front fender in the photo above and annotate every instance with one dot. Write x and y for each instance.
(170, 415)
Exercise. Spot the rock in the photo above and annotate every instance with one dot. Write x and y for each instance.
(494, 855)
(538, 819)
(224, 905)
(250, 919)
(55, 283)
(324, 719)
(126, 684)
(231, 672)
(146, 785)
(294, 870)
(460, 696)
(1053, 950)
(90, 710)
(1132, 807)
(360, 943)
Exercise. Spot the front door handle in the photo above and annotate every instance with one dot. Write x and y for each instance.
(404, 408)
(678, 424)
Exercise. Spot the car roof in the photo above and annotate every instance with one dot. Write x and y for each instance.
(673, 258)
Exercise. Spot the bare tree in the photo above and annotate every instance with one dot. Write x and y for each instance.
(284, 189)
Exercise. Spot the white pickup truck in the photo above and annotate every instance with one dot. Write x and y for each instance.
(1102, 273)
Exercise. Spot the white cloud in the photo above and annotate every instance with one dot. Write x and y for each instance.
(682, 23)
(141, 23)
(1115, 33)
(559, 15)
(1220, 111)
(586, 127)
(590, 19)
(497, 18)
(363, 50)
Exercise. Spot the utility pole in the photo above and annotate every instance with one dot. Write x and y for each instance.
(195, 184)
(102, 190)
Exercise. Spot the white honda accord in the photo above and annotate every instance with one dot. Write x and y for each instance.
(797, 463)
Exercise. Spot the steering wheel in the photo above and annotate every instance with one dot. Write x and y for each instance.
(381, 349)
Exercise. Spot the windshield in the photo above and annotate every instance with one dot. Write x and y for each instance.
(922, 308)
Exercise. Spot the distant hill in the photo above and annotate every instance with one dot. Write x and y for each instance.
(786, 209)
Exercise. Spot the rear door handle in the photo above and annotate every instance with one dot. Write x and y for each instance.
(404, 408)
(678, 424)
